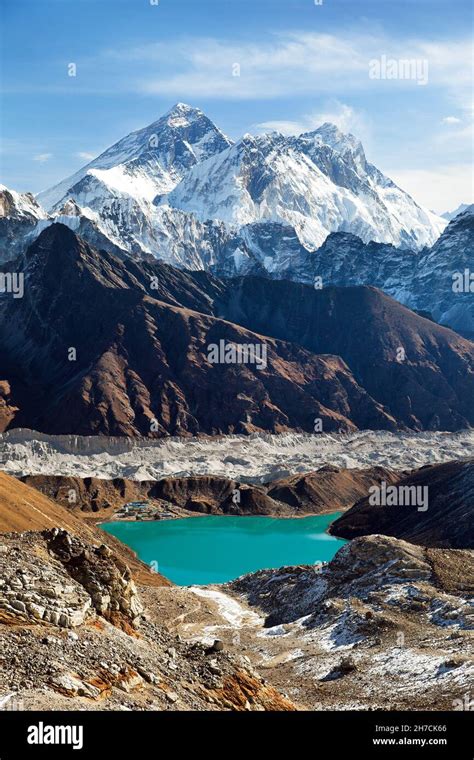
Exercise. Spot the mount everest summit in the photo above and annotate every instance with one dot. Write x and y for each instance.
(182, 177)
(293, 207)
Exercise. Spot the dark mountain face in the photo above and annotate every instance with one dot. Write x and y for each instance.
(447, 520)
(444, 280)
(421, 372)
(90, 350)
(98, 345)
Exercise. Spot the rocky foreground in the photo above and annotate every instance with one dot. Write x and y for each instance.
(75, 635)
(385, 625)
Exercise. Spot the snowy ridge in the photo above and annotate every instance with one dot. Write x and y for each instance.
(450, 215)
(176, 184)
(14, 205)
(308, 184)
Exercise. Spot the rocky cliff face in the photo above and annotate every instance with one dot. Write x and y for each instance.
(446, 521)
(67, 592)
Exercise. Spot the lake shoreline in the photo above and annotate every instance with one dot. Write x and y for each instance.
(210, 551)
(190, 515)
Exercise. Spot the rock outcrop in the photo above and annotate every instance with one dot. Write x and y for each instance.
(65, 592)
(106, 579)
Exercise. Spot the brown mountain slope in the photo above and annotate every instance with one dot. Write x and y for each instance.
(448, 520)
(87, 351)
(104, 346)
(23, 508)
(421, 372)
(328, 489)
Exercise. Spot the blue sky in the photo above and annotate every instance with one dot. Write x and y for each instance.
(300, 64)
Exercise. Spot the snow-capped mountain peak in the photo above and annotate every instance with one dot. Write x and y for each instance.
(318, 183)
(146, 163)
(339, 141)
(181, 115)
(16, 205)
(180, 190)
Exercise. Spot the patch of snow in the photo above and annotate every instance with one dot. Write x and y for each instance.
(234, 613)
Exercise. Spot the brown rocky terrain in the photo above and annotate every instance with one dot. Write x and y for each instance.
(386, 625)
(104, 346)
(448, 520)
(74, 635)
(326, 490)
(23, 508)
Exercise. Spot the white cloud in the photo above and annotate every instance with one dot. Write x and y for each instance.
(84, 155)
(440, 189)
(294, 63)
(42, 157)
(451, 120)
(347, 118)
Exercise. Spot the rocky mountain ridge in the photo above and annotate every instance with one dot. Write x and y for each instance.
(123, 349)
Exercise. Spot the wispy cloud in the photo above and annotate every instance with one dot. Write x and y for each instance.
(84, 155)
(291, 64)
(42, 157)
(451, 120)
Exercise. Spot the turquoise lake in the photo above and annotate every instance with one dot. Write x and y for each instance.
(216, 549)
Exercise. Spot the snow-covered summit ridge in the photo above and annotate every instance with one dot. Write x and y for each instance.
(318, 183)
(148, 161)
